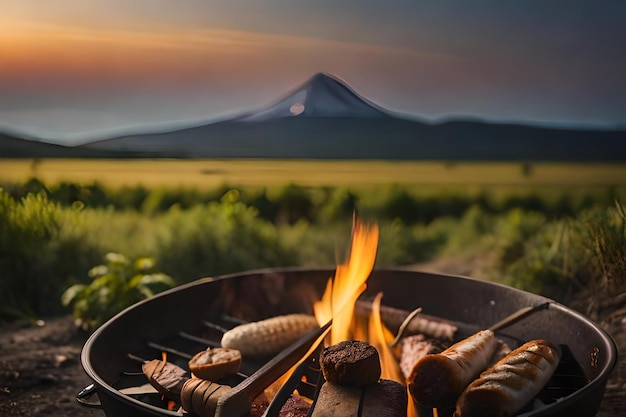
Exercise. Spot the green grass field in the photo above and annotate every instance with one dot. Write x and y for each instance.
(359, 175)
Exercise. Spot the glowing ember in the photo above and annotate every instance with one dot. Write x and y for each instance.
(171, 405)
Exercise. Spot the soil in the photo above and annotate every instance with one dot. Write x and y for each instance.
(40, 370)
(609, 312)
(41, 373)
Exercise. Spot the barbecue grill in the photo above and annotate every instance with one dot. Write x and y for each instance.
(187, 319)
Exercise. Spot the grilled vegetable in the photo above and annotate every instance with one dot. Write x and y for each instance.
(166, 377)
(215, 363)
(199, 396)
(269, 336)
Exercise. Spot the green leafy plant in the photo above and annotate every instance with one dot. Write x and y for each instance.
(115, 285)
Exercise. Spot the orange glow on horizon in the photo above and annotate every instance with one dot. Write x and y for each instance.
(57, 51)
(45, 53)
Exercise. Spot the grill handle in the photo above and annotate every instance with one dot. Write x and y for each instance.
(84, 397)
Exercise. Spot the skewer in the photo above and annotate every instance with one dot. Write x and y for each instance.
(199, 339)
(137, 358)
(214, 326)
(404, 326)
(170, 350)
(518, 315)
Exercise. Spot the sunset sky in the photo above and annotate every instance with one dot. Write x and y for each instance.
(73, 70)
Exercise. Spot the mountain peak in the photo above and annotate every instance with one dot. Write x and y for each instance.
(321, 78)
(323, 95)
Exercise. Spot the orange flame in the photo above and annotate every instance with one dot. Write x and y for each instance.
(338, 301)
(349, 282)
(411, 410)
(271, 391)
(171, 405)
(380, 337)
(340, 296)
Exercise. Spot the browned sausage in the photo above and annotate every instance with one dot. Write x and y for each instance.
(437, 380)
(506, 387)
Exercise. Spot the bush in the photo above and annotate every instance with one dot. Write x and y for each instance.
(217, 238)
(545, 264)
(35, 255)
(566, 257)
(315, 246)
(603, 233)
(116, 285)
(337, 206)
(51, 236)
(514, 231)
(470, 233)
(401, 244)
(294, 204)
(401, 205)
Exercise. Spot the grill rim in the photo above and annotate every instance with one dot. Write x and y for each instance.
(594, 389)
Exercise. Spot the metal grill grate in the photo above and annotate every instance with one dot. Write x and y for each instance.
(307, 378)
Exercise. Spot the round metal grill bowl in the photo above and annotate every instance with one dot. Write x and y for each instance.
(264, 293)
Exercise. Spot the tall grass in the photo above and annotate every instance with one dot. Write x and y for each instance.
(604, 235)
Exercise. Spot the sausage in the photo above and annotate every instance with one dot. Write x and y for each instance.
(505, 388)
(166, 377)
(437, 380)
(200, 397)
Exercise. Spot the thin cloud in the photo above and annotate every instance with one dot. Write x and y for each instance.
(229, 41)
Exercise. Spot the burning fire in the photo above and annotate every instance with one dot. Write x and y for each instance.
(342, 292)
(349, 282)
(380, 337)
(338, 301)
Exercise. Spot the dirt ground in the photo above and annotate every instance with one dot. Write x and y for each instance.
(40, 370)
(610, 313)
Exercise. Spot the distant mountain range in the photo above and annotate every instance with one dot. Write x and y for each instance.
(325, 119)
